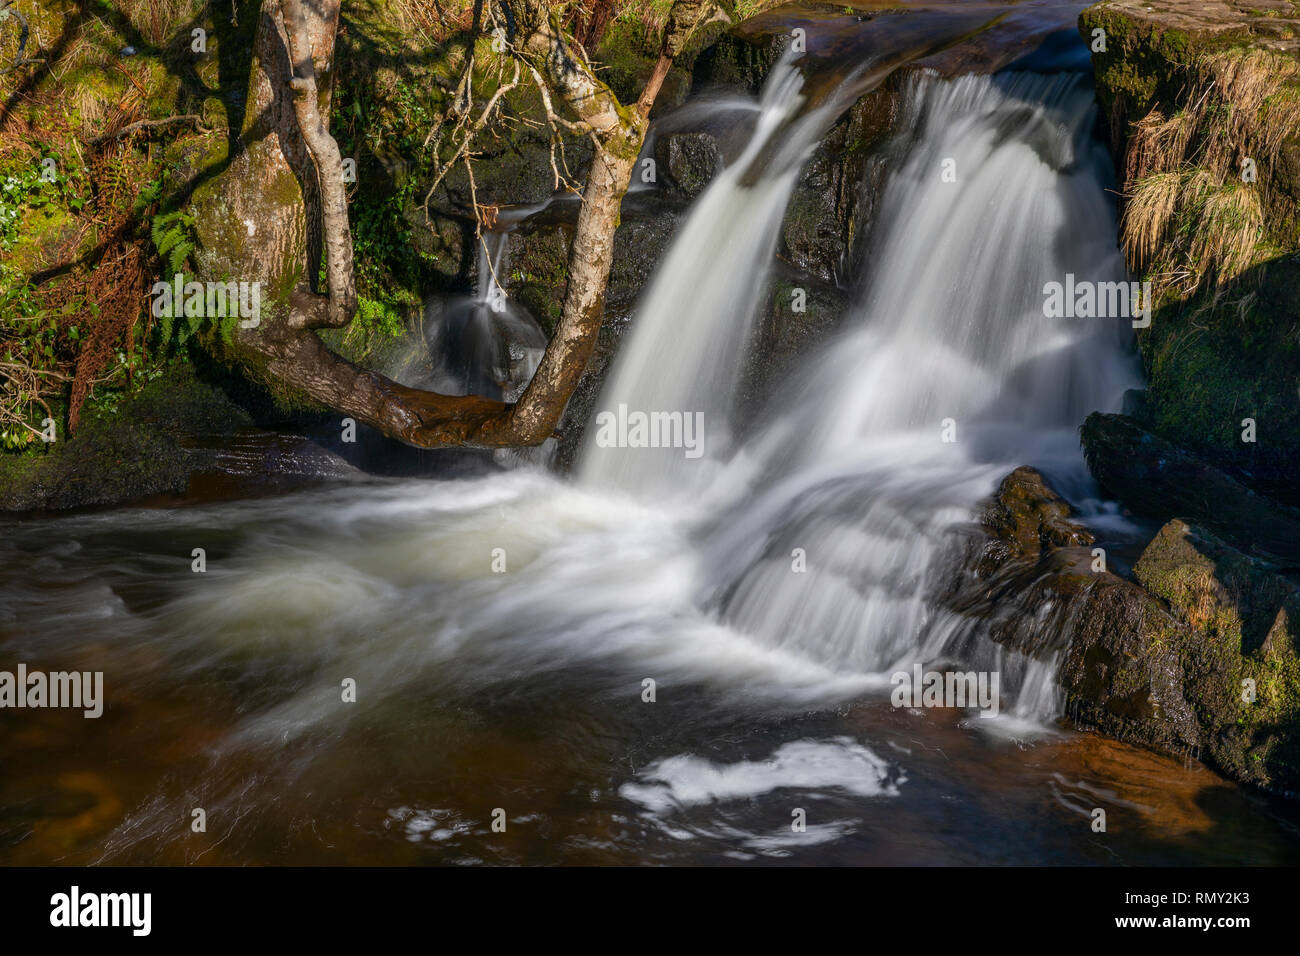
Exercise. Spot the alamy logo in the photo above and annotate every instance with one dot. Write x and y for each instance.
(1098, 300)
(946, 689)
(75, 908)
(211, 300)
(82, 690)
(625, 429)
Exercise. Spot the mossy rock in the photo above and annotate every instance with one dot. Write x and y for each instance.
(738, 59)
(1242, 672)
(1161, 480)
(1030, 518)
(123, 453)
(1149, 43)
(1030, 577)
(1218, 590)
(1213, 367)
(1164, 661)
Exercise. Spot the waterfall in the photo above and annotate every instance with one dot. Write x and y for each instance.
(662, 659)
(947, 378)
(685, 354)
(684, 351)
(807, 566)
(808, 563)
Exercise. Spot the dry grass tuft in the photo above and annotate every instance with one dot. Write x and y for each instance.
(1147, 215)
(1191, 216)
(1259, 90)
(1231, 225)
(1159, 143)
(159, 20)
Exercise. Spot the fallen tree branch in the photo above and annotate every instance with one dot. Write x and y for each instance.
(150, 124)
(7, 9)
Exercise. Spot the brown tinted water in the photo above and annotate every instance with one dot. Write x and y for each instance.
(246, 722)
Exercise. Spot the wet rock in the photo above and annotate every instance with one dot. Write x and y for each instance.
(690, 160)
(823, 230)
(1124, 670)
(198, 431)
(1026, 517)
(538, 273)
(785, 337)
(739, 58)
(1031, 578)
(253, 461)
(744, 55)
(1195, 657)
(1158, 479)
(1027, 560)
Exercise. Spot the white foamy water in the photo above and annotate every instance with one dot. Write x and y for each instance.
(853, 471)
(685, 780)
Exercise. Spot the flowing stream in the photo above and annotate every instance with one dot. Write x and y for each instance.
(662, 658)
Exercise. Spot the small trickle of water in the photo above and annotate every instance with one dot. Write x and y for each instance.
(486, 344)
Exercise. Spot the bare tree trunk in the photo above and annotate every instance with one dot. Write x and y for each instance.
(541, 406)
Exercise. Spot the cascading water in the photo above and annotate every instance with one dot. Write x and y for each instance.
(685, 354)
(685, 351)
(949, 377)
(484, 345)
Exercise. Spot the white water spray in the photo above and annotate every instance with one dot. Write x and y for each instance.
(949, 378)
(685, 351)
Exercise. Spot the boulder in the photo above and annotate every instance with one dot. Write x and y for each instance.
(1238, 623)
(1160, 480)
(689, 161)
(1195, 657)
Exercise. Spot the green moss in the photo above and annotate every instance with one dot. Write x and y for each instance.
(130, 444)
(1240, 620)
(1212, 366)
(539, 273)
